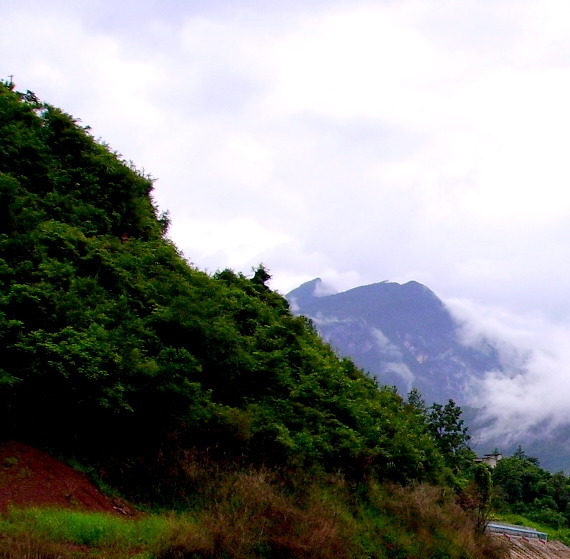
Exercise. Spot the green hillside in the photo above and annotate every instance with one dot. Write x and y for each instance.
(199, 393)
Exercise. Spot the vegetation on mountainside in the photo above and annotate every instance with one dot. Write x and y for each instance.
(522, 488)
(196, 393)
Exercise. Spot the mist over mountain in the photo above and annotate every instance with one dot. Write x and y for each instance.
(402, 334)
(405, 336)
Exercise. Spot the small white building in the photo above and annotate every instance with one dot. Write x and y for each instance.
(490, 459)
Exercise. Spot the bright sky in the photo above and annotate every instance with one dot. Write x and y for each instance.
(357, 141)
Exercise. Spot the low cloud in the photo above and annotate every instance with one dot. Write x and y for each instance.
(328, 320)
(390, 350)
(533, 388)
(323, 289)
(402, 370)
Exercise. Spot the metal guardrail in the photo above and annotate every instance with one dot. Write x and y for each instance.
(520, 531)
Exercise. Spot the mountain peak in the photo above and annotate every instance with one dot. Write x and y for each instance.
(403, 334)
(307, 292)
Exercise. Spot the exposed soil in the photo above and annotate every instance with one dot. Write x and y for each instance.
(30, 477)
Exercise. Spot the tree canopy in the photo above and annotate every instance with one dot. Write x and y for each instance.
(113, 339)
(119, 353)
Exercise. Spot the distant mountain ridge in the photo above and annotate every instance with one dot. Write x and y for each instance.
(402, 334)
(405, 336)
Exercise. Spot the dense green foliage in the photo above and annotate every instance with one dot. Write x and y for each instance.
(522, 487)
(118, 352)
(102, 321)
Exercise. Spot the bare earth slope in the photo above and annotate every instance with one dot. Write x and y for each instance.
(30, 477)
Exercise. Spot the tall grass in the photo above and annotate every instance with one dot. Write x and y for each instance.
(49, 532)
(253, 514)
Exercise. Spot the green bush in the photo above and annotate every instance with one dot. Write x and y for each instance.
(187, 391)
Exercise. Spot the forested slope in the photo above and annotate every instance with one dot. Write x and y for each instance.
(119, 353)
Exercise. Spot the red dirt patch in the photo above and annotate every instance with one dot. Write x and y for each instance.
(30, 477)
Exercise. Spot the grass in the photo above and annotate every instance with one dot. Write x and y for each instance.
(71, 532)
(83, 528)
(250, 514)
(50, 532)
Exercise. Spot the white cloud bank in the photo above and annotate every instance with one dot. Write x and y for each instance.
(366, 140)
(534, 388)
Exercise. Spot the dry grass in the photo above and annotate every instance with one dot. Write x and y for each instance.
(437, 523)
(252, 514)
(252, 517)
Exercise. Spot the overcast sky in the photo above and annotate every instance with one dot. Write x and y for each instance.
(351, 140)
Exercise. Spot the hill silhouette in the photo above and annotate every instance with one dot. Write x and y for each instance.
(194, 392)
(401, 334)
